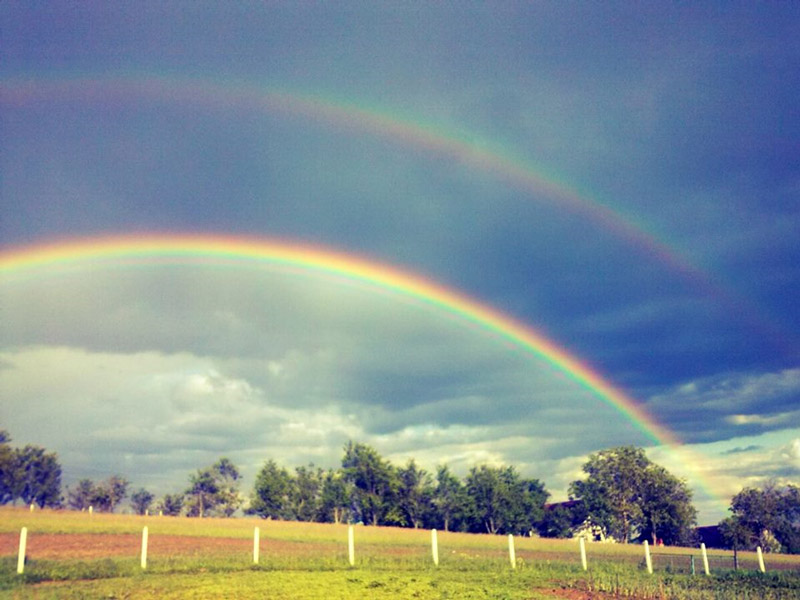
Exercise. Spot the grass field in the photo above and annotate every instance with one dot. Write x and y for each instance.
(75, 555)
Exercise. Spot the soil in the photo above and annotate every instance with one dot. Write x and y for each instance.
(572, 594)
(82, 546)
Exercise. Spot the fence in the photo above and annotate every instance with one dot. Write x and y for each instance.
(677, 562)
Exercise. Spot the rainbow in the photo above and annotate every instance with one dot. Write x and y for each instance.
(191, 249)
(348, 116)
(429, 137)
(40, 260)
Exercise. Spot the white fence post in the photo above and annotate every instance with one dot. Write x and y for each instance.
(435, 547)
(256, 543)
(511, 554)
(761, 560)
(705, 558)
(351, 550)
(91, 510)
(583, 553)
(144, 547)
(647, 558)
(23, 545)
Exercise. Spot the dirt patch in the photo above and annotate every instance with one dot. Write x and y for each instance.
(52, 546)
(573, 594)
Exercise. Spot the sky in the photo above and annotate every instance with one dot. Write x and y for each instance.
(620, 179)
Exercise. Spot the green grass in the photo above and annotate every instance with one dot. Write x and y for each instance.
(309, 561)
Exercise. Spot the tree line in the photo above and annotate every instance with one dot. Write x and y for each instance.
(623, 496)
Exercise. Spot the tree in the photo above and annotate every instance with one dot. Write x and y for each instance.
(449, 498)
(141, 501)
(764, 517)
(374, 483)
(667, 511)
(501, 501)
(414, 494)
(270, 497)
(117, 490)
(628, 495)
(334, 498)
(202, 492)
(171, 504)
(81, 497)
(227, 477)
(38, 477)
(504, 502)
(561, 519)
(29, 474)
(304, 493)
(8, 465)
(736, 536)
(214, 490)
(104, 496)
(107, 495)
(532, 496)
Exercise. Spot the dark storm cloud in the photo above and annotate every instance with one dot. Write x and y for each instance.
(681, 119)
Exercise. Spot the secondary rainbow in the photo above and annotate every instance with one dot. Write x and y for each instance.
(430, 137)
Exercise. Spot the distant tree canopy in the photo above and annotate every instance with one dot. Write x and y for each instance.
(369, 489)
(631, 497)
(769, 518)
(214, 490)
(624, 495)
(29, 474)
(104, 496)
(141, 500)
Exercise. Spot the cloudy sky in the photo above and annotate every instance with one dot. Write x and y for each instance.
(624, 179)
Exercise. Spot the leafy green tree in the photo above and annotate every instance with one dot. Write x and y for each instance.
(374, 484)
(560, 520)
(118, 489)
(532, 496)
(80, 498)
(171, 504)
(8, 466)
(104, 496)
(504, 502)
(449, 499)
(304, 493)
(334, 499)
(141, 500)
(271, 491)
(108, 494)
(214, 490)
(667, 511)
(768, 515)
(629, 496)
(228, 498)
(202, 493)
(29, 474)
(501, 501)
(612, 491)
(415, 494)
(38, 477)
(736, 534)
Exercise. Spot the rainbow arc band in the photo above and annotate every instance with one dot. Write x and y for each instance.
(147, 249)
